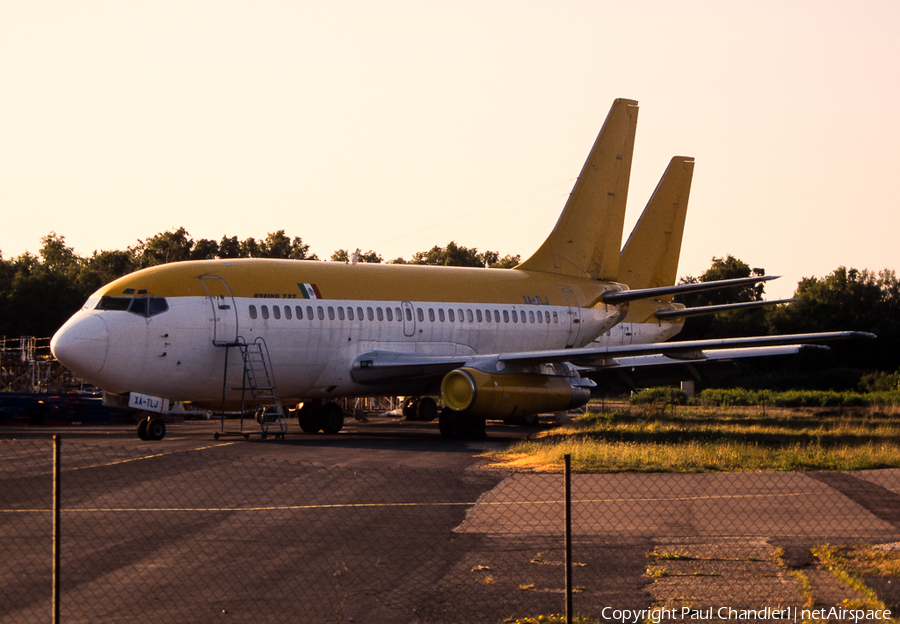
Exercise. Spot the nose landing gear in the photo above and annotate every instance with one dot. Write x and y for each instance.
(151, 428)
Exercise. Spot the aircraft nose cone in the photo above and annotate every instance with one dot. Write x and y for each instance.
(81, 344)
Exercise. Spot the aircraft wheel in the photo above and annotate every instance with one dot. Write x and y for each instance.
(408, 408)
(156, 429)
(142, 429)
(452, 424)
(461, 425)
(331, 418)
(476, 428)
(306, 418)
(527, 421)
(426, 409)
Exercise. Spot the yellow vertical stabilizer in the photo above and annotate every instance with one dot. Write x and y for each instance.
(650, 256)
(588, 235)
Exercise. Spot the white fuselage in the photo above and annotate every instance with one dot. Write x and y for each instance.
(180, 354)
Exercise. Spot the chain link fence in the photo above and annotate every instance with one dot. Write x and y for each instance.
(192, 537)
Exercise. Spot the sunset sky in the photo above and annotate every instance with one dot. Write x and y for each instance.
(394, 126)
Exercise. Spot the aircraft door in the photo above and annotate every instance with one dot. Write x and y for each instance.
(224, 310)
(574, 314)
(409, 319)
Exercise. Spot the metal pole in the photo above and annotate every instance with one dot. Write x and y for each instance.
(57, 442)
(569, 614)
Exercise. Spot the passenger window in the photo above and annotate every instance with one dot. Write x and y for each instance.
(480, 318)
(340, 314)
(515, 316)
(451, 315)
(420, 314)
(441, 315)
(320, 313)
(409, 315)
(287, 312)
(471, 317)
(389, 314)
(359, 314)
(540, 317)
(431, 314)
(349, 313)
(330, 313)
(370, 314)
(380, 313)
(299, 311)
(276, 312)
(531, 316)
(555, 317)
(506, 316)
(496, 316)
(265, 312)
(399, 314)
(309, 312)
(253, 312)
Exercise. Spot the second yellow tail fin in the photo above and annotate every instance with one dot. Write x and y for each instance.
(650, 256)
(587, 237)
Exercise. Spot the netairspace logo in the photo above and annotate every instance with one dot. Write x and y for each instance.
(796, 614)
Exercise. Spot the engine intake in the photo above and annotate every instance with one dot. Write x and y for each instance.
(487, 395)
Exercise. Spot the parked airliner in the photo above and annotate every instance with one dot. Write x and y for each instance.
(499, 343)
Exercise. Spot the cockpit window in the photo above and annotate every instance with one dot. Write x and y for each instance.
(158, 305)
(114, 303)
(142, 306)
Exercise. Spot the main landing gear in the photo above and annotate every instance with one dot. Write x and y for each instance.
(315, 416)
(462, 425)
(151, 428)
(419, 408)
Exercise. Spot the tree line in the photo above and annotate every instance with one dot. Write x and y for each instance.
(845, 299)
(39, 292)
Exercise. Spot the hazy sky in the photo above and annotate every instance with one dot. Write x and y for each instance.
(395, 126)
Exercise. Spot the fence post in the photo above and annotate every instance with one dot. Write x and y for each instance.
(569, 614)
(57, 442)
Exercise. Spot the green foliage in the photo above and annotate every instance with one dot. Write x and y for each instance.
(722, 397)
(880, 382)
(456, 255)
(725, 324)
(659, 395)
(342, 255)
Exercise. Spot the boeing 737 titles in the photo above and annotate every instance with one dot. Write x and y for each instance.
(493, 343)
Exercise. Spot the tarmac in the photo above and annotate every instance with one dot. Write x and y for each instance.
(389, 522)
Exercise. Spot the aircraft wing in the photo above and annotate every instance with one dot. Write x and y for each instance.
(644, 371)
(380, 367)
(684, 350)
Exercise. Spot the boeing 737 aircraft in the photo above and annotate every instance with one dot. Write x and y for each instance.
(499, 343)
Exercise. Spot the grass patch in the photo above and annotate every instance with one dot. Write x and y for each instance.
(859, 559)
(698, 439)
(850, 563)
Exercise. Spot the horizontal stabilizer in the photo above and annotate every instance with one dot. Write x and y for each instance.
(624, 296)
(728, 307)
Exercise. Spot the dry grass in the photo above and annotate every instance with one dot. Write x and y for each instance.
(708, 440)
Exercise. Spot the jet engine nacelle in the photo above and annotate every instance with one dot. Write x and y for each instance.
(499, 396)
